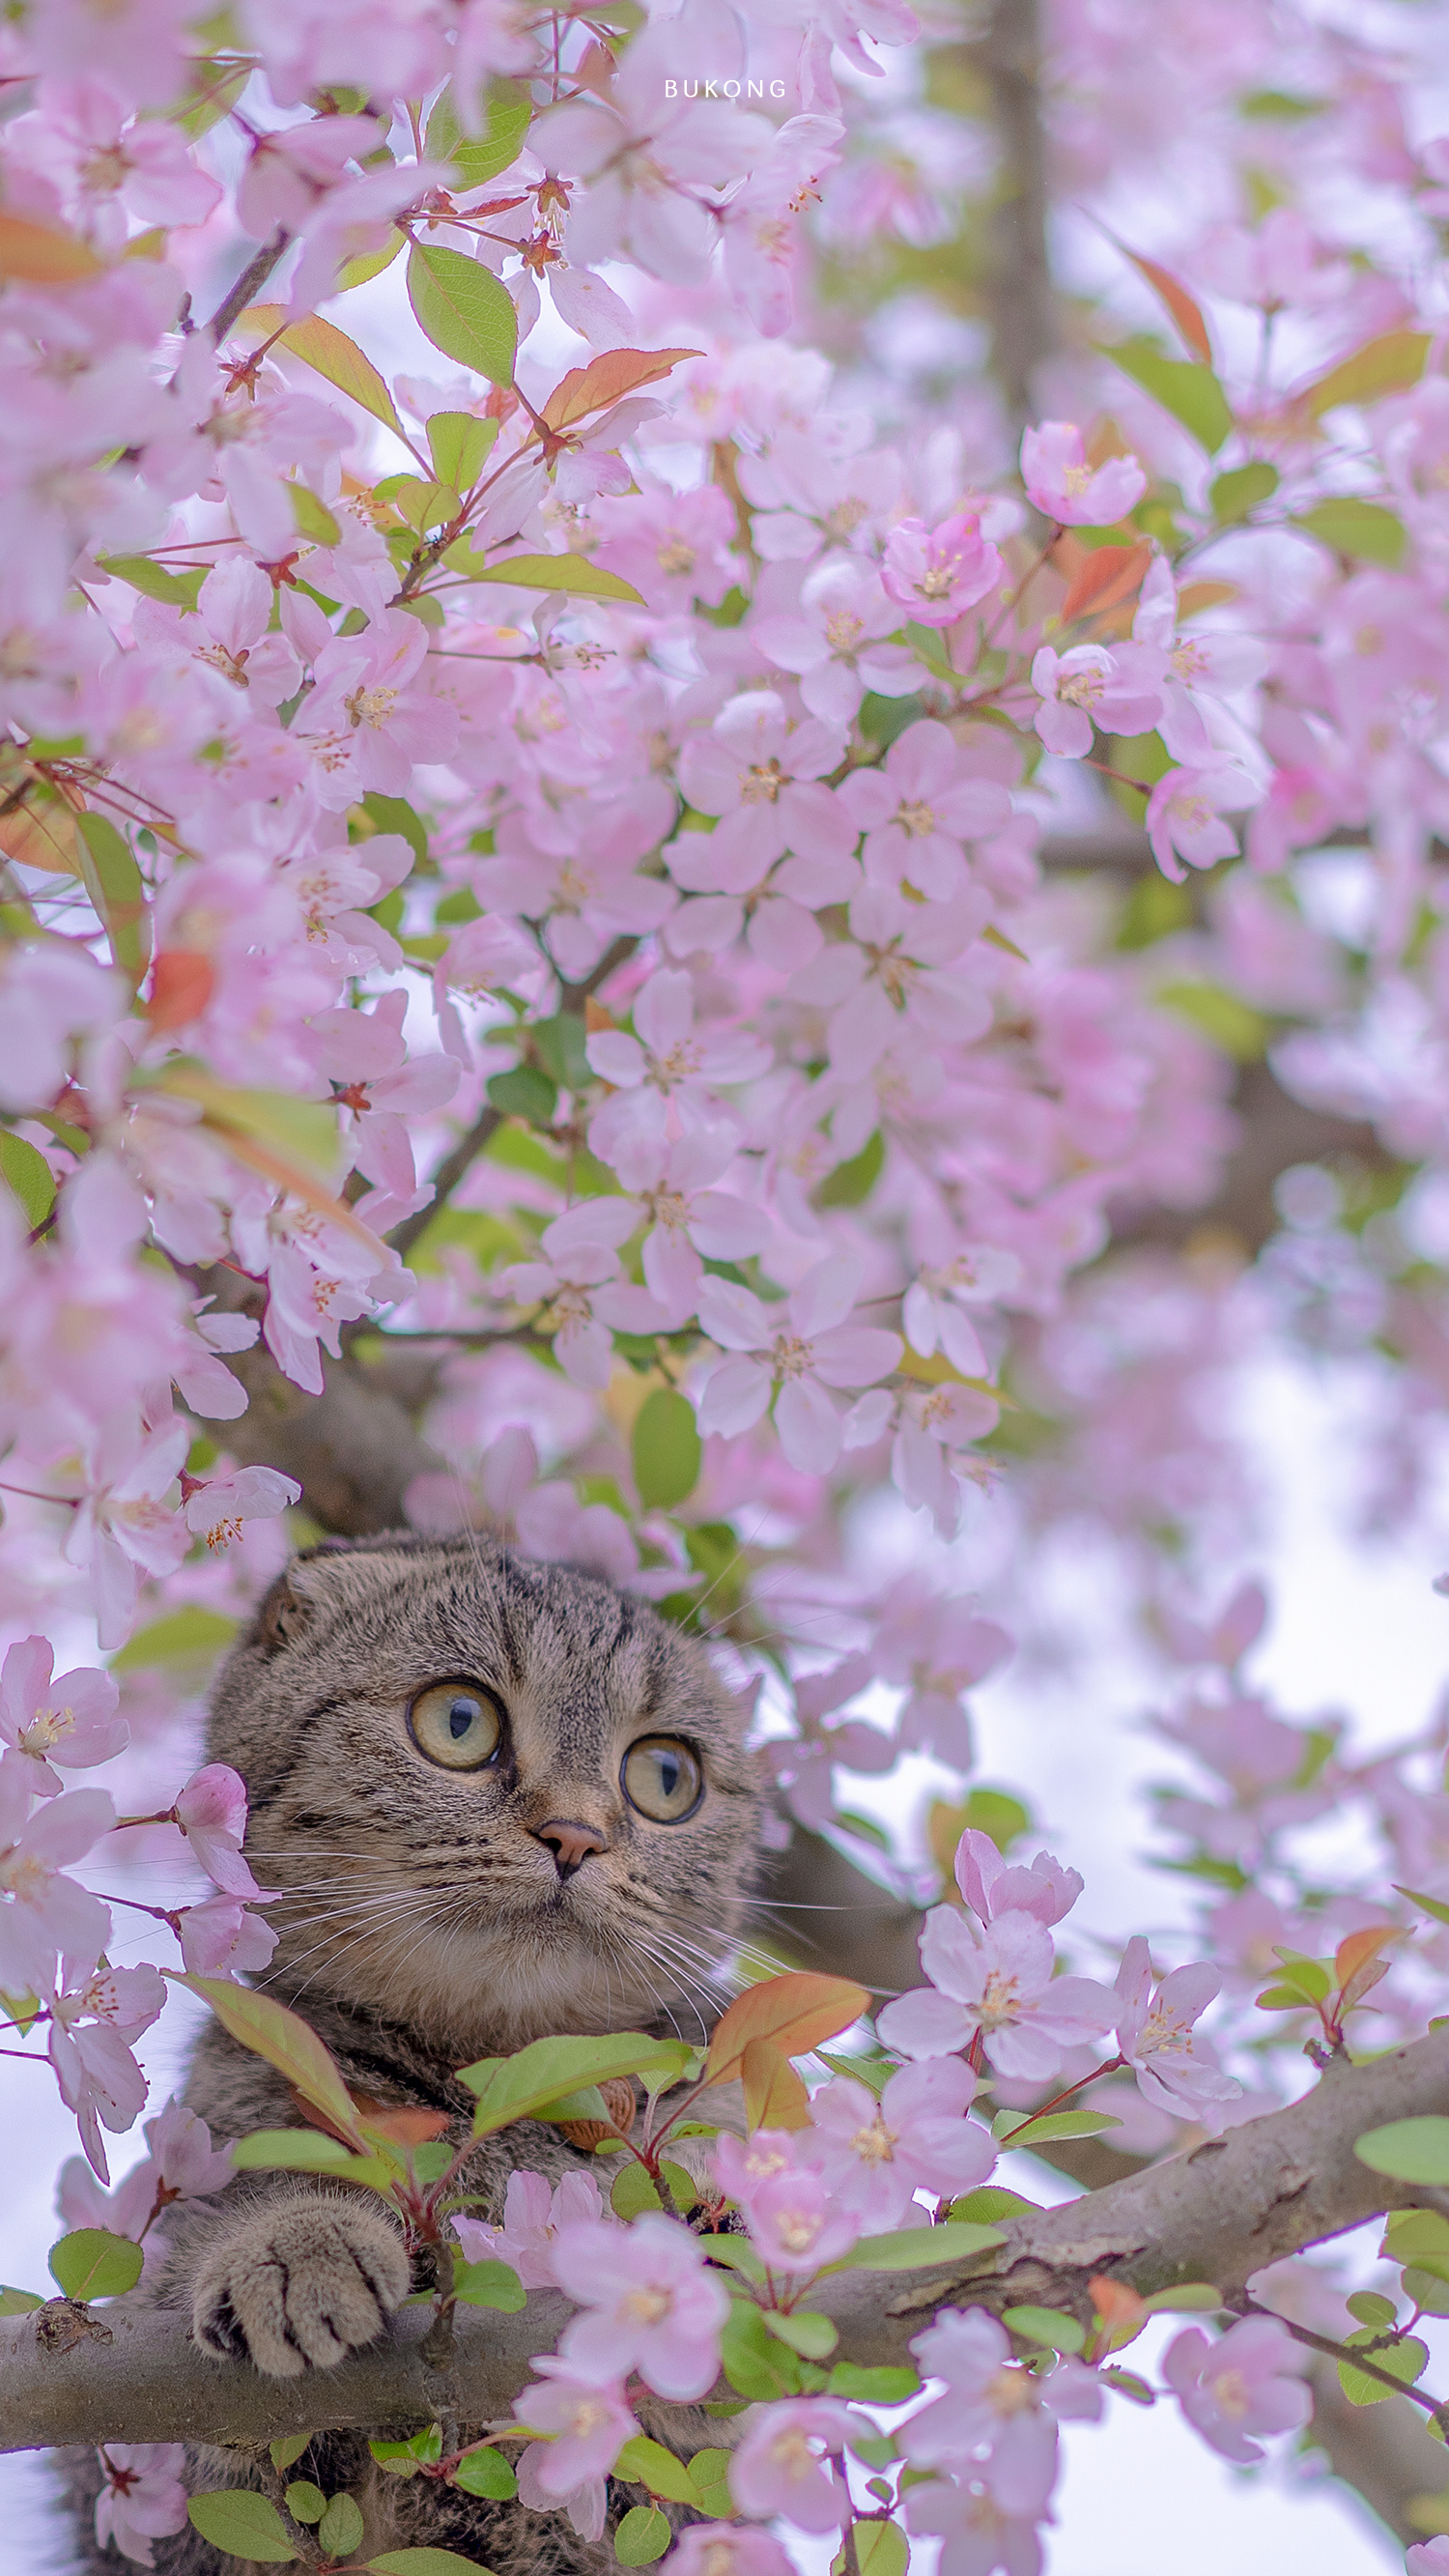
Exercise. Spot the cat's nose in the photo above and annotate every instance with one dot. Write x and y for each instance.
(570, 1842)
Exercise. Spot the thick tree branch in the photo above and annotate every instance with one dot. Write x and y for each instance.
(1019, 284)
(1216, 2214)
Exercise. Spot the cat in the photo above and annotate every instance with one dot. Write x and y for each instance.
(500, 1799)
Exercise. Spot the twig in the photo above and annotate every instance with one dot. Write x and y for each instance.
(255, 274)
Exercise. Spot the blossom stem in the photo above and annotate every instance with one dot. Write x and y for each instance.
(1354, 2355)
(1112, 2067)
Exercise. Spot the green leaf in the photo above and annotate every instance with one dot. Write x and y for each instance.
(648, 2464)
(304, 2502)
(1236, 494)
(1189, 391)
(1426, 1904)
(1045, 2326)
(321, 346)
(113, 882)
(460, 444)
(1015, 2131)
(989, 2202)
(477, 157)
(463, 310)
(874, 2072)
(910, 2247)
(737, 2254)
(313, 517)
(395, 814)
(1235, 1026)
(297, 1138)
(489, 2285)
(485, 2472)
(369, 263)
(632, 2192)
(271, 2031)
(573, 574)
(93, 2264)
(850, 1184)
(514, 2088)
(1402, 2360)
(1407, 2150)
(424, 2562)
(814, 2337)
(287, 2448)
(242, 2524)
(309, 2151)
(666, 1449)
(341, 2527)
(1363, 529)
(1387, 365)
(27, 1175)
(754, 2364)
(881, 2549)
(1428, 2288)
(526, 1092)
(181, 1636)
(1416, 2236)
(1127, 2384)
(1370, 2308)
(888, 2384)
(18, 2303)
(173, 589)
(642, 2536)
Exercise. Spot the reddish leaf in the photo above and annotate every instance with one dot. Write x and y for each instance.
(39, 255)
(1354, 1953)
(1171, 292)
(281, 2036)
(1119, 2308)
(775, 2098)
(1104, 577)
(606, 380)
(794, 2012)
(181, 986)
(403, 2125)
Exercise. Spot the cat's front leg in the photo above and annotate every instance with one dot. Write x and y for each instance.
(298, 2283)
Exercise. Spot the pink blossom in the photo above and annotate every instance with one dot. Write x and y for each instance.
(1064, 487)
(651, 2304)
(792, 1354)
(665, 1075)
(798, 2222)
(288, 172)
(369, 718)
(762, 243)
(673, 546)
(143, 2498)
(212, 1814)
(762, 776)
(993, 1885)
(1155, 2034)
(835, 641)
(931, 1308)
(997, 1982)
(51, 995)
(586, 2423)
(1088, 687)
(977, 2535)
(533, 2213)
(918, 808)
(938, 573)
(228, 631)
(995, 2411)
(1185, 814)
(688, 1221)
(46, 1912)
(1250, 2381)
(70, 1721)
(783, 2465)
(187, 2166)
(579, 1286)
(876, 2154)
(220, 1938)
(729, 2549)
(216, 1510)
(91, 2022)
(936, 1424)
(1424, 2558)
(901, 977)
(122, 1527)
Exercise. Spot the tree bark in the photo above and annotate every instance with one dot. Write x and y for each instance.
(1216, 2214)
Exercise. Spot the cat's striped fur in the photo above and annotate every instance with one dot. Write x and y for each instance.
(423, 1926)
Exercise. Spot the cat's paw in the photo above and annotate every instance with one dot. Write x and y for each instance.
(299, 2287)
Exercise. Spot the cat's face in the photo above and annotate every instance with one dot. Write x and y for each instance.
(501, 1798)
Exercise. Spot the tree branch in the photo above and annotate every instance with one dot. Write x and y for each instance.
(255, 274)
(1218, 2214)
(1020, 299)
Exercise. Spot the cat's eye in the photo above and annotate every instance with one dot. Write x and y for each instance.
(457, 1724)
(662, 1778)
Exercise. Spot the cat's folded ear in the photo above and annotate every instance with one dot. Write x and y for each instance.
(288, 1606)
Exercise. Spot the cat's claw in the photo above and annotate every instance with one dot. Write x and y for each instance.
(300, 2287)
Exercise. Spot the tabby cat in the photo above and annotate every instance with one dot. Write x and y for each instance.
(502, 1799)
